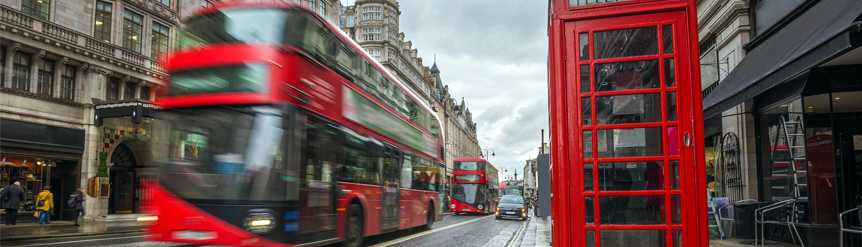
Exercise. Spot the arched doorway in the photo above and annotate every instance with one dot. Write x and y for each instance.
(122, 177)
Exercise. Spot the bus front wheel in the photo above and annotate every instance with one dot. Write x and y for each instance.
(457, 213)
(353, 233)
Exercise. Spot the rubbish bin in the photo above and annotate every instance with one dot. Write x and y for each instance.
(743, 219)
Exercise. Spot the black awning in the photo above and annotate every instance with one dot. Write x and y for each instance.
(39, 138)
(135, 108)
(819, 34)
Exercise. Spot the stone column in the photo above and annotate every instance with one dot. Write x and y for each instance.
(59, 66)
(34, 70)
(138, 87)
(81, 87)
(10, 55)
(121, 89)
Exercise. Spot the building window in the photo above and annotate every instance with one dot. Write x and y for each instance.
(312, 4)
(392, 17)
(375, 53)
(322, 11)
(129, 91)
(165, 2)
(371, 13)
(67, 82)
(37, 8)
(21, 71)
(102, 30)
(206, 4)
(349, 20)
(45, 81)
(132, 30)
(145, 93)
(111, 94)
(160, 39)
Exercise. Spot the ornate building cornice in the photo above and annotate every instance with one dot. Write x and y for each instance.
(40, 97)
(157, 9)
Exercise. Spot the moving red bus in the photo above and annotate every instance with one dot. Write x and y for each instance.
(473, 187)
(279, 130)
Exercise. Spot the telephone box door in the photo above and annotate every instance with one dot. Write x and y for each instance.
(630, 106)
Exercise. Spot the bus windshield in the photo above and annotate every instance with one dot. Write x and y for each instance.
(468, 193)
(222, 155)
(235, 25)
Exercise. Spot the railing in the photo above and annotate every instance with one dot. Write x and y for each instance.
(100, 46)
(16, 17)
(59, 33)
(133, 58)
(158, 66)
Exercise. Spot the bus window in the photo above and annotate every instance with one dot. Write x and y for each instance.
(361, 162)
(407, 172)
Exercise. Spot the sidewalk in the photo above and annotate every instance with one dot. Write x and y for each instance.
(733, 242)
(65, 229)
(538, 232)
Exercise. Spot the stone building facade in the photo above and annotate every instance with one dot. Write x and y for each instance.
(723, 29)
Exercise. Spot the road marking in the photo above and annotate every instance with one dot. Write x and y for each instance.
(428, 232)
(520, 231)
(78, 241)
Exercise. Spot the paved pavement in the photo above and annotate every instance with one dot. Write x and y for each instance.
(66, 229)
(537, 233)
(733, 242)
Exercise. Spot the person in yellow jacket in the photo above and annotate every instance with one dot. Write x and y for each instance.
(44, 204)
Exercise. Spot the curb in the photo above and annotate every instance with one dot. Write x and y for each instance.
(16, 238)
(519, 236)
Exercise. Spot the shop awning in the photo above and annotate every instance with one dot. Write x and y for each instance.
(819, 34)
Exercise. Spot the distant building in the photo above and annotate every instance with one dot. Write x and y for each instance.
(530, 170)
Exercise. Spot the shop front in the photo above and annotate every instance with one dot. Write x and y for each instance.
(801, 91)
(38, 155)
(127, 150)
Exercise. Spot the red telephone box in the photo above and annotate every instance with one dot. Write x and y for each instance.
(626, 121)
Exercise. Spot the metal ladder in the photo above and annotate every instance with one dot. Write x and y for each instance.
(796, 149)
(715, 214)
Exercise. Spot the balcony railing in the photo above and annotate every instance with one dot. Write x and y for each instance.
(77, 42)
(16, 17)
(59, 33)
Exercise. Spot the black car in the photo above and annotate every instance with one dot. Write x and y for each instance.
(512, 206)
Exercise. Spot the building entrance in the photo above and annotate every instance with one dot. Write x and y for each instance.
(122, 177)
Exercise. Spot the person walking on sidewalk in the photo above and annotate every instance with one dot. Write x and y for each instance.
(10, 199)
(76, 201)
(44, 205)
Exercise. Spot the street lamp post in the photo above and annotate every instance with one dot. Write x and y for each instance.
(484, 153)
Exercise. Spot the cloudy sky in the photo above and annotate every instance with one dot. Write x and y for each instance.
(494, 54)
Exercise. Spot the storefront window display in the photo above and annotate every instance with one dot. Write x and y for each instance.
(28, 171)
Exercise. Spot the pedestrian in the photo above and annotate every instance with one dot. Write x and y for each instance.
(76, 201)
(10, 199)
(44, 204)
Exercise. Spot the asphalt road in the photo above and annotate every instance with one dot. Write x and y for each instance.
(461, 230)
(119, 239)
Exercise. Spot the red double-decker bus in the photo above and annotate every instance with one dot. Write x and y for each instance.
(474, 186)
(279, 130)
